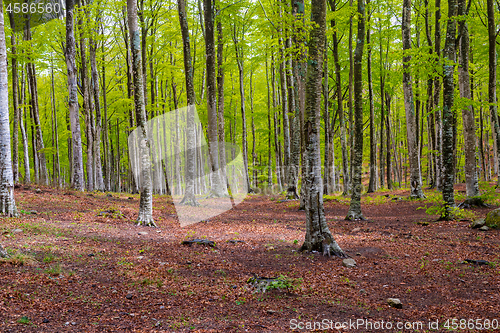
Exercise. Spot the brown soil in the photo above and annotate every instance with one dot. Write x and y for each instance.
(97, 274)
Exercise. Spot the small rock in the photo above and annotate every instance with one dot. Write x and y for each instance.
(129, 296)
(478, 223)
(45, 321)
(38, 190)
(362, 291)
(349, 263)
(162, 307)
(485, 282)
(395, 303)
(271, 311)
(140, 257)
(66, 323)
(91, 255)
(142, 233)
(358, 254)
(17, 231)
(356, 229)
(484, 228)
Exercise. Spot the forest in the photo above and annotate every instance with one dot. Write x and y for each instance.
(200, 162)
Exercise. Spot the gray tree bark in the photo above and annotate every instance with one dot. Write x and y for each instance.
(372, 185)
(146, 200)
(340, 109)
(469, 123)
(7, 201)
(15, 100)
(218, 187)
(189, 196)
(77, 179)
(354, 212)
(318, 236)
(449, 54)
(411, 122)
(492, 77)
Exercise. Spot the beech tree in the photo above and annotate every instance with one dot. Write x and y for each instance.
(189, 197)
(354, 212)
(449, 53)
(146, 201)
(77, 178)
(411, 122)
(7, 201)
(471, 181)
(318, 236)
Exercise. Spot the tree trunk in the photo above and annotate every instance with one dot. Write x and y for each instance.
(146, 200)
(38, 144)
(318, 236)
(492, 78)
(372, 185)
(15, 100)
(77, 179)
(340, 109)
(449, 54)
(239, 61)
(220, 106)
(437, 90)
(189, 196)
(7, 201)
(99, 181)
(218, 187)
(411, 121)
(469, 123)
(354, 212)
(87, 110)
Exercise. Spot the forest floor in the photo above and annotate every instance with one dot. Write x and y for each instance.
(77, 271)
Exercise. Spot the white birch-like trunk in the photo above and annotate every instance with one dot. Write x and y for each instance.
(7, 202)
(146, 200)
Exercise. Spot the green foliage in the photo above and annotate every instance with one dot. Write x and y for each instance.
(438, 207)
(283, 282)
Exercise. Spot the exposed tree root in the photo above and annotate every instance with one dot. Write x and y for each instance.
(146, 221)
(354, 216)
(473, 202)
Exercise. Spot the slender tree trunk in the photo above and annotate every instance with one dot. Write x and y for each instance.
(340, 109)
(57, 167)
(38, 144)
(388, 138)
(99, 181)
(146, 200)
(411, 121)
(77, 179)
(26, 157)
(372, 185)
(220, 106)
(318, 236)
(218, 187)
(239, 61)
(437, 90)
(189, 196)
(7, 201)
(469, 123)
(15, 100)
(269, 130)
(492, 78)
(449, 54)
(354, 212)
